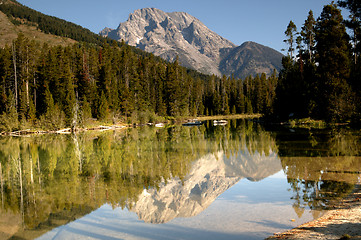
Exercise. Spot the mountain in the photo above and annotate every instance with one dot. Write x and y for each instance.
(249, 59)
(169, 35)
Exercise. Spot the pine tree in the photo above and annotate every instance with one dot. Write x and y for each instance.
(224, 96)
(69, 102)
(49, 101)
(240, 99)
(249, 108)
(263, 94)
(308, 34)
(333, 51)
(291, 33)
(5, 77)
(85, 112)
(85, 75)
(288, 91)
(270, 92)
(354, 23)
(53, 118)
(159, 80)
(31, 114)
(22, 102)
(9, 119)
(103, 107)
(126, 96)
(172, 89)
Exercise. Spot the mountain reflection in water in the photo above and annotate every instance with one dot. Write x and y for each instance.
(209, 177)
(163, 174)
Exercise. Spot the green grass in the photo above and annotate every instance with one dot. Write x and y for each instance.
(233, 116)
(307, 123)
(9, 32)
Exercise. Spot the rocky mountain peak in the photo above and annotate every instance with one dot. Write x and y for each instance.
(169, 35)
(168, 24)
(146, 14)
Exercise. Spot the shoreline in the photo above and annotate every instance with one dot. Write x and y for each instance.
(342, 222)
(228, 117)
(120, 125)
(27, 132)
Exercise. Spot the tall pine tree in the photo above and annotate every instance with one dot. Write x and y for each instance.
(333, 51)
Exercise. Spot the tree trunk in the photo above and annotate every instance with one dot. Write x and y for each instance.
(15, 76)
(27, 76)
(21, 190)
(2, 187)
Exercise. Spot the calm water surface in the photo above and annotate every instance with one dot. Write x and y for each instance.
(239, 181)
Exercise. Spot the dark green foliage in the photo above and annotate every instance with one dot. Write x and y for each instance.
(308, 34)
(334, 64)
(9, 118)
(291, 38)
(31, 114)
(66, 86)
(85, 113)
(53, 118)
(103, 107)
(322, 83)
(63, 86)
(175, 90)
(292, 98)
(354, 24)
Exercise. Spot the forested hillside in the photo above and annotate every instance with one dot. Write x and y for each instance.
(20, 14)
(9, 32)
(54, 87)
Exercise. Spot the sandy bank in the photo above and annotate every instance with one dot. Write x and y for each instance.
(342, 222)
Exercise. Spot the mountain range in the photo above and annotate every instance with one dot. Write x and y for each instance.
(178, 34)
(168, 35)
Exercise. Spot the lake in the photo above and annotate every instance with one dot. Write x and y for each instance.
(237, 181)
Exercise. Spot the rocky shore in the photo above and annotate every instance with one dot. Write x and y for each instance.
(342, 222)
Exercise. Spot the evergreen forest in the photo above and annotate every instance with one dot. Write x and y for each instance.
(321, 75)
(52, 87)
(55, 87)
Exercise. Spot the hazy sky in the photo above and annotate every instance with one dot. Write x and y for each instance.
(261, 21)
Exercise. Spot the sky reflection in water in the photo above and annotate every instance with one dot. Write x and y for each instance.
(248, 210)
(228, 182)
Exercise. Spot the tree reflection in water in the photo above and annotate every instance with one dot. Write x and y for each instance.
(322, 168)
(49, 180)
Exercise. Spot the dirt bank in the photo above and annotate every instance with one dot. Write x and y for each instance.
(342, 222)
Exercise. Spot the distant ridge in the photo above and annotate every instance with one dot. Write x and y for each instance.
(21, 18)
(169, 35)
(250, 59)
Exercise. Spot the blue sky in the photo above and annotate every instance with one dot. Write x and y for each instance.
(261, 21)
